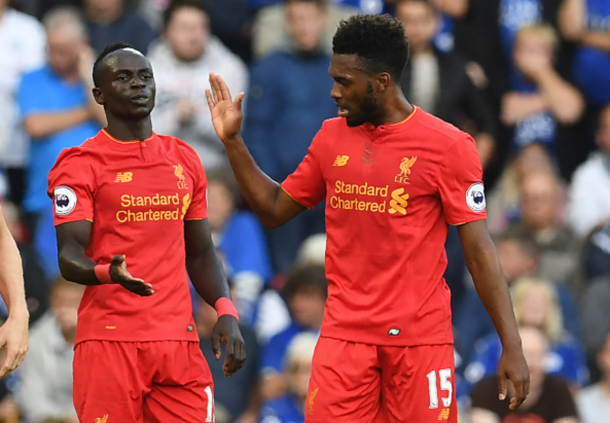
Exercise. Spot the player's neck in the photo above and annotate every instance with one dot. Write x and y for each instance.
(129, 131)
(396, 110)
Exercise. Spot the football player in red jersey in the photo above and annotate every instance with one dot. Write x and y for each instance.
(130, 197)
(393, 178)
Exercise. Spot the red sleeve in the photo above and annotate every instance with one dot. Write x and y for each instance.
(460, 183)
(71, 187)
(198, 208)
(306, 184)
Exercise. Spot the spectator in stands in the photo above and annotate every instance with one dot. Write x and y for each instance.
(597, 253)
(305, 293)
(18, 54)
(270, 33)
(549, 398)
(586, 24)
(239, 237)
(45, 391)
(235, 398)
(536, 304)
(593, 402)
(57, 108)
(596, 325)
(291, 407)
(589, 205)
(504, 201)
(36, 284)
(519, 258)
(111, 20)
(182, 62)
(437, 81)
(539, 99)
(542, 201)
(289, 99)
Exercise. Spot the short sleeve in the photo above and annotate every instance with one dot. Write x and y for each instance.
(71, 187)
(459, 182)
(198, 209)
(306, 184)
(29, 96)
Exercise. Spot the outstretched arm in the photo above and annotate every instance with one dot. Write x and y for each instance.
(483, 264)
(76, 266)
(209, 280)
(14, 332)
(272, 205)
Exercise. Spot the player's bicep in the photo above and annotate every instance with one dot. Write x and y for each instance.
(286, 206)
(73, 235)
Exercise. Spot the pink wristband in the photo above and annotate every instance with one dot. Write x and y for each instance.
(225, 306)
(102, 271)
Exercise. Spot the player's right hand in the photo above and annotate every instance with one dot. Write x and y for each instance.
(119, 274)
(226, 113)
(513, 367)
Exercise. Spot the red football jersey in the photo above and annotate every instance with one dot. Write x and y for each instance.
(390, 192)
(137, 196)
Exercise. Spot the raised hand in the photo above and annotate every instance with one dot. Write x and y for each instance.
(512, 366)
(226, 331)
(226, 113)
(119, 274)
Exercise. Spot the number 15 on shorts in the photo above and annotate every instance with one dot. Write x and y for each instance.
(444, 376)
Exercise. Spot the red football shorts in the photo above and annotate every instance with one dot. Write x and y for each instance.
(143, 382)
(360, 383)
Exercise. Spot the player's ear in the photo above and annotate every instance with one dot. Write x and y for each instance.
(382, 82)
(98, 96)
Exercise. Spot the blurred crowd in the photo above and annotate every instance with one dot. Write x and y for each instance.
(528, 79)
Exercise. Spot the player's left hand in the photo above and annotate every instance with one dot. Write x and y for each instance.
(14, 337)
(226, 331)
(512, 366)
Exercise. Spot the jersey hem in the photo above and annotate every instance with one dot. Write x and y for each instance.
(479, 218)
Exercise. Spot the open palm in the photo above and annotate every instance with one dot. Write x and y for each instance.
(226, 113)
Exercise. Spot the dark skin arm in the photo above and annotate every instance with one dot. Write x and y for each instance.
(484, 266)
(268, 200)
(74, 264)
(209, 280)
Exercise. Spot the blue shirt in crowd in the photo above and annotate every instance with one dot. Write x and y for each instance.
(285, 409)
(272, 357)
(591, 65)
(244, 247)
(43, 91)
(289, 99)
(566, 359)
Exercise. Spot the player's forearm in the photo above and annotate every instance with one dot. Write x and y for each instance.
(11, 277)
(207, 276)
(260, 191)
(45, 124)
(484, 266)
(76, 266)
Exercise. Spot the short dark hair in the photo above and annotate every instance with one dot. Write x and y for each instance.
(110, 48)
(378, 40)
(177, 4)
(306, 279)
(527, 244)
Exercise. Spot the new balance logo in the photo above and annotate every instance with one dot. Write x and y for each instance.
(102, 419)
(341, 160)
(444, 414)
(124, 177)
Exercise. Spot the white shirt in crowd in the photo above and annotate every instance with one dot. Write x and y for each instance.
(19, 54)
(589, 204)
(177, 80)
